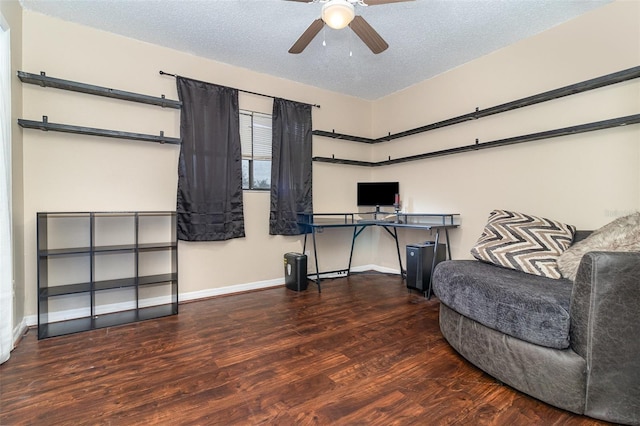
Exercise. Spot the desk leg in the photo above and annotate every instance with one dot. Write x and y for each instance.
(353, 242)
(304, 245)
(395, 237)
(446, 234)
(433, 262)
(315, 256)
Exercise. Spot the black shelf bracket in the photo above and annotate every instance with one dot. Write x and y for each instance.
(43, 80)
(572, 130)
(595, 83)
(45, 125)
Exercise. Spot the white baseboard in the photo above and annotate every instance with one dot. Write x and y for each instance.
(195, 295)
(376, 268)
(202, 294)
(32, 320)
(19, 331)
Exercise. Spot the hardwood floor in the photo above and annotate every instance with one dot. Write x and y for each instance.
(364, 352)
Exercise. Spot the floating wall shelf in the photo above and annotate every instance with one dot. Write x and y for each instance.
(595, 83)
(589, 127)
(43, 80)
(606, 80)
(68, 128)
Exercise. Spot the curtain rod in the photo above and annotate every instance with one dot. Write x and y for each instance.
(239, 90)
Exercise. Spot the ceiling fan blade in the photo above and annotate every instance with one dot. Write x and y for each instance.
(368, 35)
(307, 36)
(377, 2)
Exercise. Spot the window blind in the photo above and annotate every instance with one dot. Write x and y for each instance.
(255, 135)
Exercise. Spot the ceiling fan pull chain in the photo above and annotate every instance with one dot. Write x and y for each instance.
(350, 44)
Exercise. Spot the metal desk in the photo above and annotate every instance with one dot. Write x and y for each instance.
(314, 223)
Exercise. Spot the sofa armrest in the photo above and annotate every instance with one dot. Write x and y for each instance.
(605, 331)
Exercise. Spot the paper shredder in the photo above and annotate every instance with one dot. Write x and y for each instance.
(295, 271)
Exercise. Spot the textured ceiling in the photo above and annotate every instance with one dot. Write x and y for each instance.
(426, 37)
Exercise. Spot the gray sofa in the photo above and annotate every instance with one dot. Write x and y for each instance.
(574, 345)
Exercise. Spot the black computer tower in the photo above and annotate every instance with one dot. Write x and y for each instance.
(295, 271)
(420, 262)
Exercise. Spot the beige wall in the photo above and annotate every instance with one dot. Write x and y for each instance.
(586, 179)
(67, 172)
(12, 14)
(583, 179)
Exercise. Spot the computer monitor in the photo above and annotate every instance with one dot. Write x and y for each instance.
(378, 193)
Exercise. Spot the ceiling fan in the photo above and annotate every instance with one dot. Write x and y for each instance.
(338, 14)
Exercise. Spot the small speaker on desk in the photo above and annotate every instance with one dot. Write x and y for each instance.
(419, 263)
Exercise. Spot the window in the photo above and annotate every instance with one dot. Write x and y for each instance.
(255, 138)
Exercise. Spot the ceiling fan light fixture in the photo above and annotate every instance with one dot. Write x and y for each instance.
(338, 13)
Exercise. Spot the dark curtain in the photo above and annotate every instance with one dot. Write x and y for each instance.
(290, 166)
(209, 205)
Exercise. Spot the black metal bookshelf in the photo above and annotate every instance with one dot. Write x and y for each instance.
(72, 249)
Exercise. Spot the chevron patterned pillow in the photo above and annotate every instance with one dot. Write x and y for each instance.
(523, 242)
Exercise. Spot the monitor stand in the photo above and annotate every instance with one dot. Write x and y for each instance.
(375, 213)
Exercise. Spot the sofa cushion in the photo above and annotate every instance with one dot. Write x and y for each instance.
(623, 234)
(528, 307)
(523, 242)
